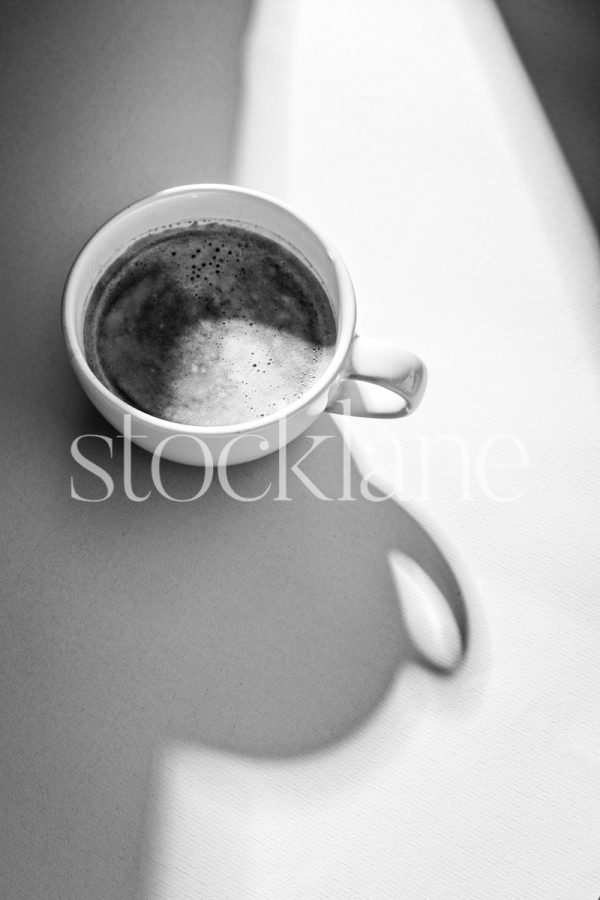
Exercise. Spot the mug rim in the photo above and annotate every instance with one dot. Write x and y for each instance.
(345, 324)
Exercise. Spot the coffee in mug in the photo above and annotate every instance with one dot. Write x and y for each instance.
(209, 323)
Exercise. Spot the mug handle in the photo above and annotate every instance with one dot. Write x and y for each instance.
(382, 363)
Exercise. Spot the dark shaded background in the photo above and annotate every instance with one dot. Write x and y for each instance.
(559, 44)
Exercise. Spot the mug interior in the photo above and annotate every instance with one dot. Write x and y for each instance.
(196, 203)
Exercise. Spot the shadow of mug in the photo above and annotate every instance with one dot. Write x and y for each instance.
(279, 613)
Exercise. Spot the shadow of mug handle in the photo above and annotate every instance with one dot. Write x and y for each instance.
(374, 364)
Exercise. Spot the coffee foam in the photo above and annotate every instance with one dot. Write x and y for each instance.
(209, 324)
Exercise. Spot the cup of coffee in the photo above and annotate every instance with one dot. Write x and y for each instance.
(212, 324)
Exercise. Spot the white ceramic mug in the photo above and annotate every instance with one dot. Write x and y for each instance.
(356, 359)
